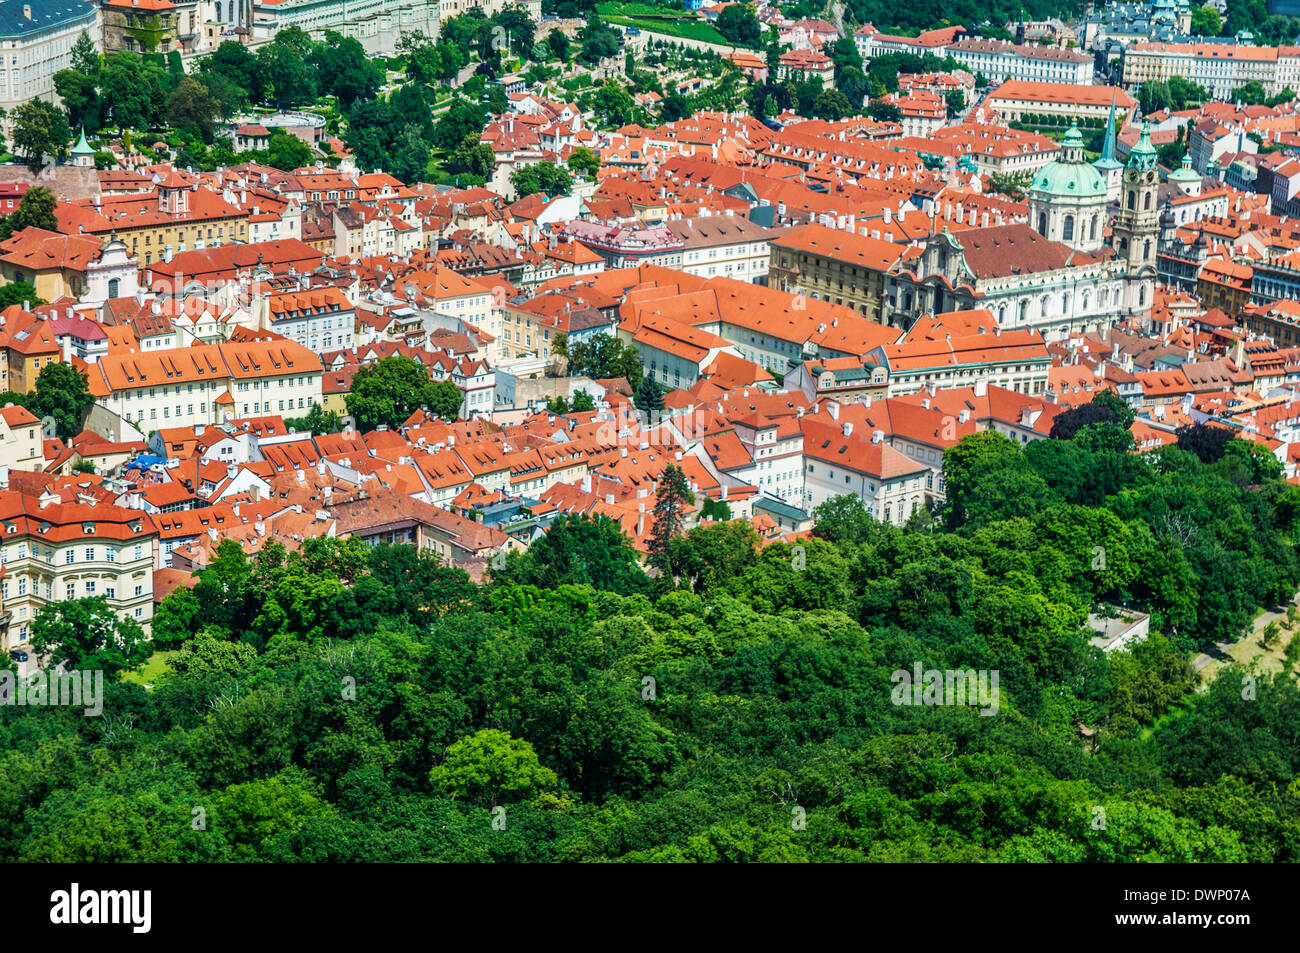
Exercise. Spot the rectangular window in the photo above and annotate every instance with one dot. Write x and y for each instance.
(72, 590)
(70, 556)
(90, 554)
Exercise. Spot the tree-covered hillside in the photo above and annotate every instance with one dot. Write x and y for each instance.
(349, 704)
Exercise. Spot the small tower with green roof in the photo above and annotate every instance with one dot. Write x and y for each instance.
(82, 153)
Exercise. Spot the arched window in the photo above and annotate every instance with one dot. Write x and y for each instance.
(1087, 300)
(1092, 228)
(112, 287)
(1132, 200)
(1146, 249)
(1042, 223)
(1146, 201)
(1142, 295)
(1067, 233)
(1042, 306)
(1024, 311)
(1065, 303)
(1105, 297)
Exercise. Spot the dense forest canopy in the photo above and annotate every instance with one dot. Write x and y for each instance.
(347, 703)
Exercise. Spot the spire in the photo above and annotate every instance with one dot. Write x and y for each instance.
(1108, 146)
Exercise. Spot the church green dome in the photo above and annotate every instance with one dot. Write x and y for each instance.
(1069, 180)
(1185, 172)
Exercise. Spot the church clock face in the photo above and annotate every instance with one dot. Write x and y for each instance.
(1151, 176)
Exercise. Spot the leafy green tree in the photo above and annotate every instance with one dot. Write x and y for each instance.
(177, 617)
(63, 392)
(578, 550)
(461, 119)
(832, 105)
(131, 88)
(80, 97)
(558, 43)
(474, 156)
(35, 210)
(881, 111)
(738, 24)
(409, 160)
(955, 102)
(286, 76)
(613, 104)
(1206, 22)
(584, 162)
(598, 41)
(192, 110)
(1207, 441)
(603, 356)
(671, 494)
(85, 57)
(391, 390)
(40, 132)
(251, 814)
(89, 635)
(489, 768)
(286, 151)
(240, 79)
(843, 519)
(548, 179)
(519, 27)
(17, 292)
(649, 395)
(711, 556)
(317, 421)
(1257, 462)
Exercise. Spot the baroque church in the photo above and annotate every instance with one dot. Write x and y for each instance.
(1061, 272)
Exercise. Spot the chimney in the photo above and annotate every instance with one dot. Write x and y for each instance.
(877, 436)
(982, 387)
(609, 499)
(198, 430)
(848, 428)
(833, 408)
